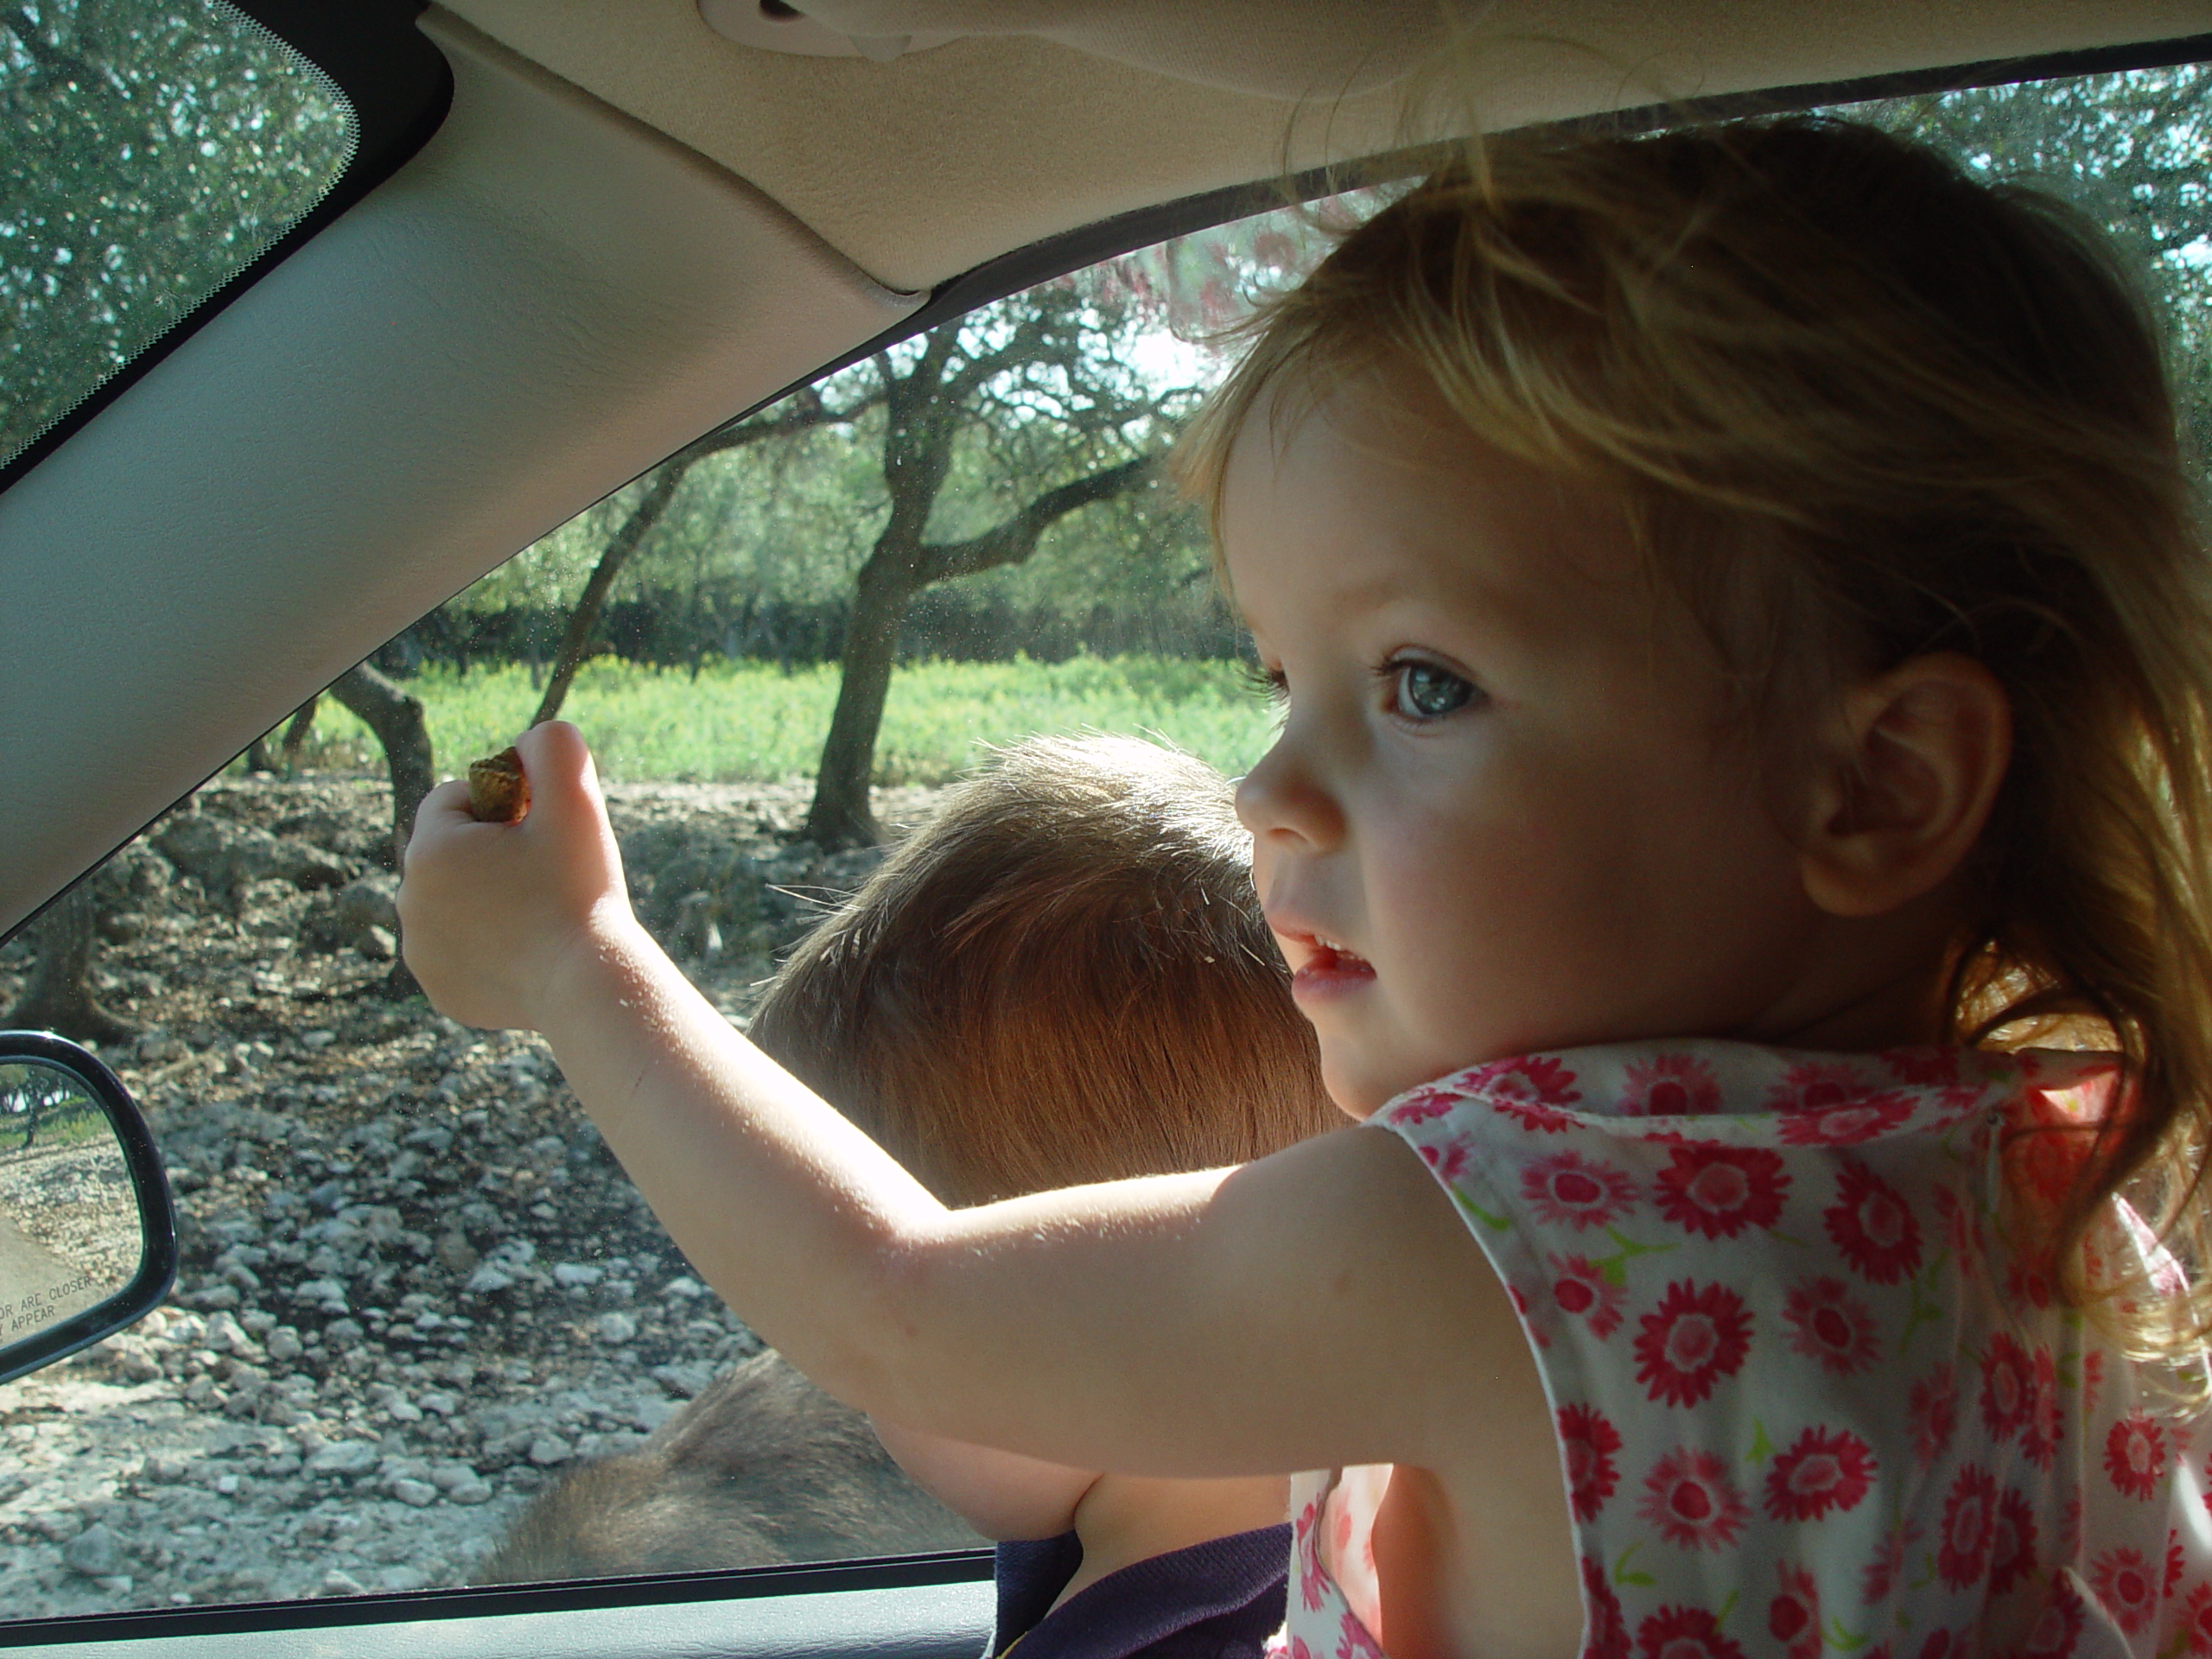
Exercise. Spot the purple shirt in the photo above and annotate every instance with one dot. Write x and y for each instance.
(1221, 1599)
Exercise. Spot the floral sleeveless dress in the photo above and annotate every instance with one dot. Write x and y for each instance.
(1806, 1396)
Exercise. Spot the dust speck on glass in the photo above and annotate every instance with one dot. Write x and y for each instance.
(417, 1296)
(155, 149)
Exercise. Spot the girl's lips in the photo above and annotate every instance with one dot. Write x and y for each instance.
(1329, 971)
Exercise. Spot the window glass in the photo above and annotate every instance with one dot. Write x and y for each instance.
(155, 148)
(418, 1298)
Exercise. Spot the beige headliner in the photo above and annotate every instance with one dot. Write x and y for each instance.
(920, 167)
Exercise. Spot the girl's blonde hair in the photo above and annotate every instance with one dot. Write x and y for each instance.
(1859, 407)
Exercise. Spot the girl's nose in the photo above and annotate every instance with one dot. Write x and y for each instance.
(1282, 799)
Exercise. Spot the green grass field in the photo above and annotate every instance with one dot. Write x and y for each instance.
(746, 721)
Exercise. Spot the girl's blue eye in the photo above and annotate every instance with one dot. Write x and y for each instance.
(1424, 691)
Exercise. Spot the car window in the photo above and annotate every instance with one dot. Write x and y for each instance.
(426, 1333)
(155, 148)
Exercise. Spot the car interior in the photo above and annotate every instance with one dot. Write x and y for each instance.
(570, 237)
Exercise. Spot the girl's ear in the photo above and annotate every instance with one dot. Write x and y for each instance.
(1905, 785)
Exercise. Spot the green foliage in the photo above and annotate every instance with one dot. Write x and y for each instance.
(746, 721)
(155, 149)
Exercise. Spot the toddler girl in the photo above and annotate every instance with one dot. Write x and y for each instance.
(1744, 655)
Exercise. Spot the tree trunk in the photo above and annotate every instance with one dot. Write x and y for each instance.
(840, 816)
(396, 718)
(296, 732)
(592, 600)
(59, 995)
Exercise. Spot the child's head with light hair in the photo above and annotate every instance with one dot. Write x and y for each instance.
(1855, 411)
(1061, 977)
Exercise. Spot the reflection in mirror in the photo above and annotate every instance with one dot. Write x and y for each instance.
(70, 1237)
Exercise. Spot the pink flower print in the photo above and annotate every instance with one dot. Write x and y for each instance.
(1419, 1105)
(2196, 1618)
(1881, 1574)
(1535, 1079)
(1354, 1643)
(2093, 1378)
(1312, 1581)
(1925, 1068)
(1695, 1337)
(1588, 1442)
(1535, 1332)
(1449, 1161)
(2007, 1388)
(1871, 1226)
(2040, 1433)
(1567, 1190)
(2026, 1284)
(1793, 1617)
(1962, 1231)
(1684, 1633)
(1933, 1407)
(1823, 1470)
(1943, 1644)
(1536, 1114)
(2127, 1586)
(1601, 1614)
(1815, 1086)
(2135, 1455)
(2059, 1630)
(1832, 1326)
(1720, 1191)
(1845, 1123)
(1581, 1289)
(2013, 1545)
(1688, 1498)
(1670, 1085)
(2176, 1563)
(1970, 1521)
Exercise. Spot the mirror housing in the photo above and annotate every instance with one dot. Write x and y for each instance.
(87, 1226)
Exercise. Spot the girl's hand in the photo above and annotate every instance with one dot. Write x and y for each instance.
(494, 917)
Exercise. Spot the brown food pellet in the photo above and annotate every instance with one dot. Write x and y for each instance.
(497, 792)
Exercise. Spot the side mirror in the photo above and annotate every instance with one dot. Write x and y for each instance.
(87, 1229)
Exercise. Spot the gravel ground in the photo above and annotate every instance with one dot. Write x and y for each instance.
(415, 1285)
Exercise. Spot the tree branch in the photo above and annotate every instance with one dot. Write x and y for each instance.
(1014, 539)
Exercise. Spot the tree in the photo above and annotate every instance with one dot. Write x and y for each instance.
(805, 412)
(59, 995)
(1035, 388)
(153, 150)
(395, 717)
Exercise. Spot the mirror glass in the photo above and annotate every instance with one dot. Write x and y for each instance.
(70, 1237)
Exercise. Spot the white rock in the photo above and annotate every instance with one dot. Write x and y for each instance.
(93, 1552)
(616, 1329)
(337, 1582)
(548, 1449)
(439, 1403)
(415, 1493)
(576, 1275)
(471, 1491)
(344, 1458)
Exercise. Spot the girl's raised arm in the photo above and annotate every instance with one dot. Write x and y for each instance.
(1323, 1306)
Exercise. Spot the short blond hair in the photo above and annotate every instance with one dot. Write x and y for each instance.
(1063, 978)
(1860, 406)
